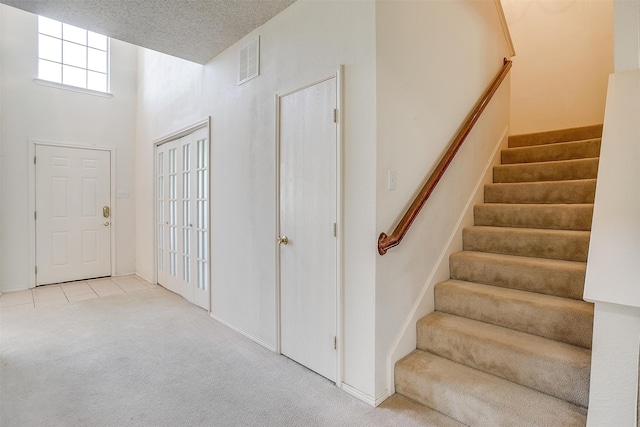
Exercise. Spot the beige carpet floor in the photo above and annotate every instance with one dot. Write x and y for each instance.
(149, 358)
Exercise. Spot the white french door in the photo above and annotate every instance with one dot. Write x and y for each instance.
(72, 213)
(182, 192)
(308, 215)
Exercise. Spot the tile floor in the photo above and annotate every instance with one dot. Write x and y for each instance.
(63, 293)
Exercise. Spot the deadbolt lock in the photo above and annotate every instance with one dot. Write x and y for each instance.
(106, 212)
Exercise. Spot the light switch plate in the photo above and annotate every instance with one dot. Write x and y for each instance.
(391, 179)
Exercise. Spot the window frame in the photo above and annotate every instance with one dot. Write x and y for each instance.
(59, 60)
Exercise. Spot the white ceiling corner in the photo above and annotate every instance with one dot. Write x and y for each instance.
(196, 30)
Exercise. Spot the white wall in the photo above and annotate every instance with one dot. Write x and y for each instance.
(421, 100)
(612, 272)
(564, 54)
(434, 60)
(627, 35)
(1, 139)
(308, 40)
(31, 111)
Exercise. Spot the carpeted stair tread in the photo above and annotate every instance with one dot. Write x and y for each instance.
(552, 152)
(547, 171)
(554, 244)
(509, 342)
(479, 399)
(558, 369)
(554, 136)
(546, 276)
(560, 319)
(547, 216)
(574, 191)
(404, 408)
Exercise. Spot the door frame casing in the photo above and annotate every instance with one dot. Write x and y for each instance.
(33, 143)
(200, 124)
(339, 76)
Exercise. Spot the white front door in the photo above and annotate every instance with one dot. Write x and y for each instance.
(73, 214)
(182, 188)
(308, 214)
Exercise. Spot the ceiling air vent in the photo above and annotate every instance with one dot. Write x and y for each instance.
(249, 66)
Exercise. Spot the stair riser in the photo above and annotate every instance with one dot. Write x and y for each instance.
(552, 152)
(514, 274)
(478, 399)
(550, 245)
(563, 217)
(571, 192)
(546, 171)
(570, 322)
(550, 137)
(564, 377)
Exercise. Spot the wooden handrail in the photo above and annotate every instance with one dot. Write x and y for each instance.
(387, 242)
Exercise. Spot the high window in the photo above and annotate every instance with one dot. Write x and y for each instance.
(72, 56)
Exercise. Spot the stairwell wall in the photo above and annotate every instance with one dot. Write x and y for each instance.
(564, 56)
(433, 60)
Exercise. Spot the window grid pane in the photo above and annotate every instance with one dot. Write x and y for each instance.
(74, 34)
(96, 81)
(73, 76)
(74, 54)
(97, 41)
(50, 48)
(49, 27)
(97, 60)
(50, 71)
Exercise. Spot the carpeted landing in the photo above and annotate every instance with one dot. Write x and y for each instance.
(149, 358)
(509, 343)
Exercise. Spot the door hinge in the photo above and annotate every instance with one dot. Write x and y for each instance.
(335, 343)
(34, 160)
(36, 270)
(35, 215)
(335, 115)
(335, 230)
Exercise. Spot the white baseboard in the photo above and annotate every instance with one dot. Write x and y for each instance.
(382, 396)
(246, 334)
(405, 343)
(128, 274)
(143, 277)
(370, 400)
(6, 291)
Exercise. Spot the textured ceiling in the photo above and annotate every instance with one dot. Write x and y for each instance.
(196, 30)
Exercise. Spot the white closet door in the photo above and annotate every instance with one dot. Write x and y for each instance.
(183, 216)
(308, 213)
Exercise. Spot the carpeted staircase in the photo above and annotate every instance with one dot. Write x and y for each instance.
(509, 343)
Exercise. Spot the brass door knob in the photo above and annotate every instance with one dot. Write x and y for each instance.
(283, 240)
